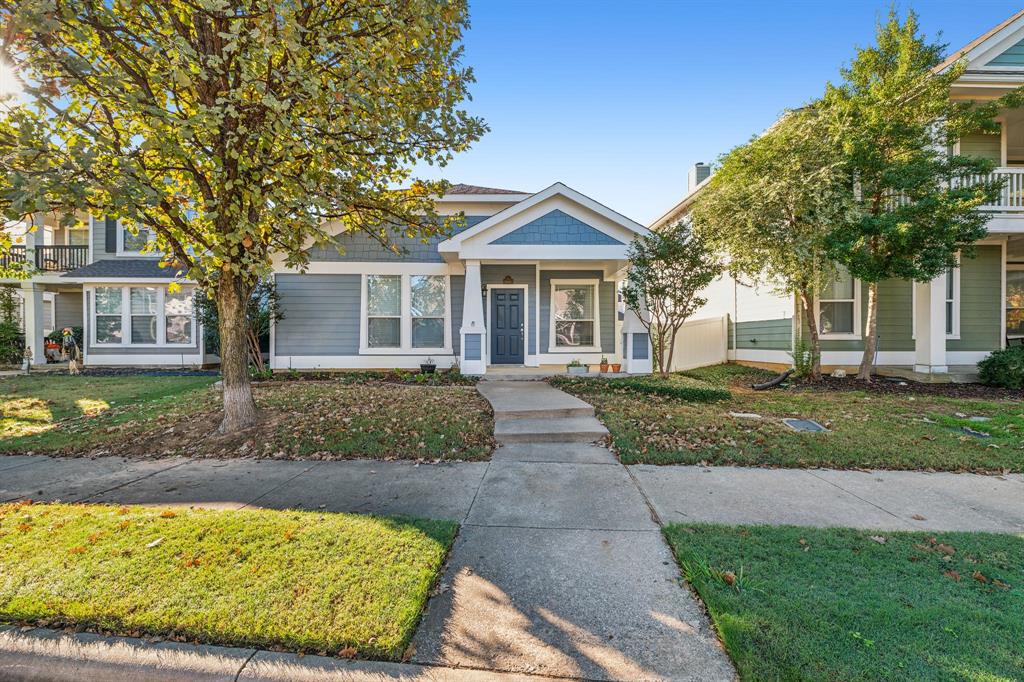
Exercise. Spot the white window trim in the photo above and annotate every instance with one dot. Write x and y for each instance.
(955, 336)
(857, 323)
(126, 319)
(552, 347)
(405, 347)
(134, 254)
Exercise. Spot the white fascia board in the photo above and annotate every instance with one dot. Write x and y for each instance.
(373, 268)
(987, 47)
(126, 281)
(487, 252)
(456, 242)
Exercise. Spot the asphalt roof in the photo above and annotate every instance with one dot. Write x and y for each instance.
(461, 188)
(126, 268)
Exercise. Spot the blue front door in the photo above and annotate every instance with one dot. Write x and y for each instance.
(507, 317)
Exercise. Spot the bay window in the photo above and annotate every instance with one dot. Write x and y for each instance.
(406, 313)
(574, 315)
(838, 306)
(152, 316)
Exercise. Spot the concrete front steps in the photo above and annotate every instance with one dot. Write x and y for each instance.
(534, 412)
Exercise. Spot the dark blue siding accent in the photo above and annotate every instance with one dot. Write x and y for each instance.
(558, 228)
(472, 346)
(361, 247)
(640, 346)
(606, 304)
(321, 315)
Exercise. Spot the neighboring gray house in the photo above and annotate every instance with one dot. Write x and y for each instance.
(97, 276)
(531, 280)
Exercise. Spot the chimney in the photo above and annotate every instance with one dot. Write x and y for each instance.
(698, 174)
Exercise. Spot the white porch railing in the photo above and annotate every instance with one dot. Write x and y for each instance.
(1012, 196)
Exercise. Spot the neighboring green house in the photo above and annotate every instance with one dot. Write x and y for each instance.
(946, 325)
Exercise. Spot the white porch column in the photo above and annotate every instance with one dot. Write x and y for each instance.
(473, 332)
(636, 345)
(930, 326)
(33, 296)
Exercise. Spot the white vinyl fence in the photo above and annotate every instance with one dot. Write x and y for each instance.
(701, 342)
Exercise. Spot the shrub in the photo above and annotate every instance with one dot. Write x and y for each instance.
(11, 343)
(805, 359)
(1003, 368)
(673, 386)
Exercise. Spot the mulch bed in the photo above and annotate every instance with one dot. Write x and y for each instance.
(899, 386)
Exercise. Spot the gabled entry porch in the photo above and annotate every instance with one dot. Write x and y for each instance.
(541, 282)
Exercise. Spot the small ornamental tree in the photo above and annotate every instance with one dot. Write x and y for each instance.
(237, 131)
(769, 207)
(667, 271)
(915, 202)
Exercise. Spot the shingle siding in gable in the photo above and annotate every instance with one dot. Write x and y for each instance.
(362, 248)
(321, 315)
(557, 228)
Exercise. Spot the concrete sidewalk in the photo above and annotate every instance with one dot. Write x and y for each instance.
(888, 500)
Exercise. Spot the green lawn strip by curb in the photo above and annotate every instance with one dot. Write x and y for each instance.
(339, 584)
(843, 604)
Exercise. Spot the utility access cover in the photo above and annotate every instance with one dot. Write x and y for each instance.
(804, 425)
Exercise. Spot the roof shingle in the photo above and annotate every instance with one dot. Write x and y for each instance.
(125, 268)
(461, 188)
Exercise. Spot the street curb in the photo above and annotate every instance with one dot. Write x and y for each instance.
(44, 655)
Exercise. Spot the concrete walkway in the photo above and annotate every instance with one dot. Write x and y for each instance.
(559, 568)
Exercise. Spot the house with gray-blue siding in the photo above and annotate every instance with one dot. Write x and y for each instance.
(528, 279)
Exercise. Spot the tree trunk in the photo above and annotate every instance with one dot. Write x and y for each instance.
(870, 337)
(812, 326)
(662, 367)
(239, 406)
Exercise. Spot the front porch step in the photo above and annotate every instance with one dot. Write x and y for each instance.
(544, 412)
(557, 430)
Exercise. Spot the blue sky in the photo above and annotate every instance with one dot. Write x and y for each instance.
(619, 99)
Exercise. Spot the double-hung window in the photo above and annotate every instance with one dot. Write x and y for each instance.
(384, 311)
(133, 243)
(143, 302)
(427, 303)
(108, 319)
(405, 313)
(143, 316)
(838, 306)
(1014, 301)
(574, 315)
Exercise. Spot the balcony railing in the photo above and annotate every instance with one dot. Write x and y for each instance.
(61, 258)
(1012, 196)
(55, 258)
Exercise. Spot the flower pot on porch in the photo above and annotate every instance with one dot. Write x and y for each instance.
(616, 367)
(604, 367)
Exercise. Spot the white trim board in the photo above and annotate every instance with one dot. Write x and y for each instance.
(394, 361)
(163, 360)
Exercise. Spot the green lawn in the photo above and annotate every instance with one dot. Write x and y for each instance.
(869, 429)
(365, 415)
(811, 604)
(340, 584)
(62, 410)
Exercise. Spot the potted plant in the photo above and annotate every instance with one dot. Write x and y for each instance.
(616, 367)
(604, 364)
(576, 367)
(428, 366)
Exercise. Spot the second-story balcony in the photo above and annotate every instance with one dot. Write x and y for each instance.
(52, 258)
(1011, 199)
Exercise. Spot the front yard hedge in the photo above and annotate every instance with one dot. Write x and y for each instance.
(1004, 368)
(674, 386)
